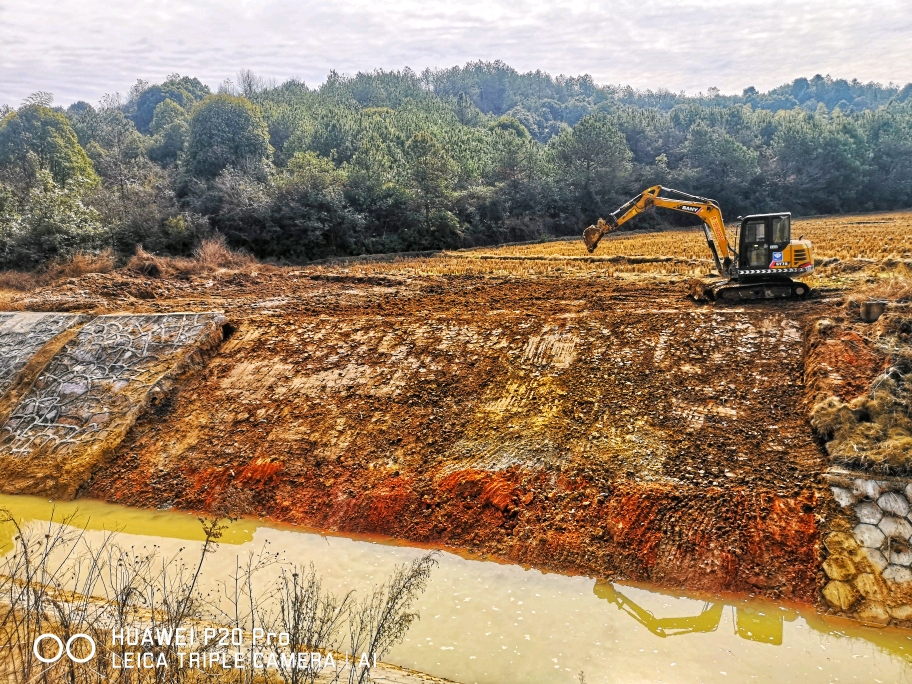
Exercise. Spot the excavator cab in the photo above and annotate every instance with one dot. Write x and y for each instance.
(766, 249)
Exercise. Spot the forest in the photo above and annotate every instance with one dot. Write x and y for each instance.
(405, 161)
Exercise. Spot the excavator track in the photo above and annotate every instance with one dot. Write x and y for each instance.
(727, 290)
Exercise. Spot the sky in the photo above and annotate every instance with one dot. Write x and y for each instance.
(86, 49)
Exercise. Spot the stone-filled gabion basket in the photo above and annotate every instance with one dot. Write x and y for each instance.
(869, 567)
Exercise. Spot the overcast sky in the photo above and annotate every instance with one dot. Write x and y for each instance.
(86, 48)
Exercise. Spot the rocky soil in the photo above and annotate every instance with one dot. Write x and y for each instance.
(590, 425)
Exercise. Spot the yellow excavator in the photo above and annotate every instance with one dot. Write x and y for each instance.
(762, 267)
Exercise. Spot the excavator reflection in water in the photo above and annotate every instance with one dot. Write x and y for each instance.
(761, 623)
(750, 623)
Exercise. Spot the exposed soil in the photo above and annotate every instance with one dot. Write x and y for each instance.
(590, 425)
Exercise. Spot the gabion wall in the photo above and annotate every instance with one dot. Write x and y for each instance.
(869, 566)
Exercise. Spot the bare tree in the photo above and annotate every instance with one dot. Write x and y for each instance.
(312, 619)
(381, 620)
(250, 84)
(39, 99)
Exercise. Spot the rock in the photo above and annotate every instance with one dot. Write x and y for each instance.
(840, 595)
(877, 560)
(901, 556)
(894, 503)
(870, 586)
(897, 573)
(70, 390)
(903, 612)
(868, 488)
(868, 512)
(908, 491)
(896, 528)
(839, 568)
(869, 535)
(843, 496)
(840, 542)
(874, 612)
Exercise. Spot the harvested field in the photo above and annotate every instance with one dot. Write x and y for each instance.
(572, 414)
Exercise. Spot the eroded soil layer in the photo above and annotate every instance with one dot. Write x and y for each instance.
(582, 425)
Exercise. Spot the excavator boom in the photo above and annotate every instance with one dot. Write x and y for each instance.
(705, 209)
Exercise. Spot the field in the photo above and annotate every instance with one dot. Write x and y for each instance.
(842, 246)
(528, 402)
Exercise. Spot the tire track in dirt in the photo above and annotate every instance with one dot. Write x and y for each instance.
(578, 425)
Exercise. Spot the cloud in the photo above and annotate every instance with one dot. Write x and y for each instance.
(81, 50)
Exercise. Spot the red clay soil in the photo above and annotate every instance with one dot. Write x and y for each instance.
(579, 425)
(840, 363)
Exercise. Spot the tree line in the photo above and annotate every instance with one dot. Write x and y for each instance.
(399, 161)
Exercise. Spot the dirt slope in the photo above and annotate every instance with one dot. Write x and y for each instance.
(581, 424)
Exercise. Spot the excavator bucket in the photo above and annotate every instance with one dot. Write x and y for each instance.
(700, 290)
(592, 235)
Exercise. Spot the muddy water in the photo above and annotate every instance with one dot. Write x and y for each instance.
(491, 623)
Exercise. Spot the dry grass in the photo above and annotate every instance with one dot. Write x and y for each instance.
(872, 433)
(55, 579)
(872, 236)
(80, 264)
(873, 251)
(897, 287)
(77, 265)
(18, 280)
(212, 256)
(847, 249)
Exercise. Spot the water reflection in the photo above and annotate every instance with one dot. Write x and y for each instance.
(750, 623)
(491, 623)
(753, 621)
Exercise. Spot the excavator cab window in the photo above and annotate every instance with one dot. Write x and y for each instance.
(763, 239)
(781, 232)
(754, 245)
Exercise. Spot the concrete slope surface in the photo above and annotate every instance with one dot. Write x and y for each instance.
(89, 393)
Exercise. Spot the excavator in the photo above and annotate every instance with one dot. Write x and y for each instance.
(761, 268)
(749, 623)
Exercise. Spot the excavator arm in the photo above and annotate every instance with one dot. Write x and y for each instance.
(705, 209)
(707, 621)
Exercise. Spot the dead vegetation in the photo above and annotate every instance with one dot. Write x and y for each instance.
(76, 266)
(874, 236)
(56, 579)
(211, 256)
(849, 250)
(871, 429)
(895, 288)
(870, 433)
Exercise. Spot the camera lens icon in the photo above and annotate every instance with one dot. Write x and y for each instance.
(61, 649)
